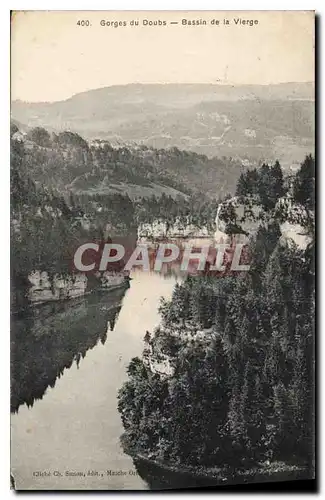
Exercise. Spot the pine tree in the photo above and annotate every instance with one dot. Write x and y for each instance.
(257, 416)
(276, 187)
(284, 437)
(237, 417)
(242, 187)
(304, 184)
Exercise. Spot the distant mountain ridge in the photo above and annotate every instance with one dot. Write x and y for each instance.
(252, 122)
(293, 90)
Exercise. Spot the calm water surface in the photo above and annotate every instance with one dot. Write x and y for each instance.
(68, 363)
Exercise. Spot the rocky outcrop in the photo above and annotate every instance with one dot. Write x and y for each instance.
(40, 287)
(45, 289)
(238, 219)
(163, 230)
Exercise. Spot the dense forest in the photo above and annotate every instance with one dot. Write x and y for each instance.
(227, 379)
(45, 231)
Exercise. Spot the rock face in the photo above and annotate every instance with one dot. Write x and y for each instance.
(164, 364)
(41, 288)
(162, 230)
(237, 220)
(245, 216)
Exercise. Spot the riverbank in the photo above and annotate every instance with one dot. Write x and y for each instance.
(44, 292)
(198, 476)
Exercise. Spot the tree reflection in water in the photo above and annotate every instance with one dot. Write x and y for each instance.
(49, 338)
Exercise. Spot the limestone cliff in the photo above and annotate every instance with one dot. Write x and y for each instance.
(40, 287)
(163, 230)
(239, 218)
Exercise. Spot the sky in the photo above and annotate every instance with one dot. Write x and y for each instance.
(53, 58)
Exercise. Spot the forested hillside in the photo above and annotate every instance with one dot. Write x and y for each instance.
(45, 231)
(67, 162)
(235, 390)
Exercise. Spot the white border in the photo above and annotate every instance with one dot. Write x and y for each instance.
(166, 5)
(317, 5)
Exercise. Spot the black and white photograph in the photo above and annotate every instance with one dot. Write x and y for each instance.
(162, 249)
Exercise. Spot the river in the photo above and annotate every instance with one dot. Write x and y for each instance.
(68, 362)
